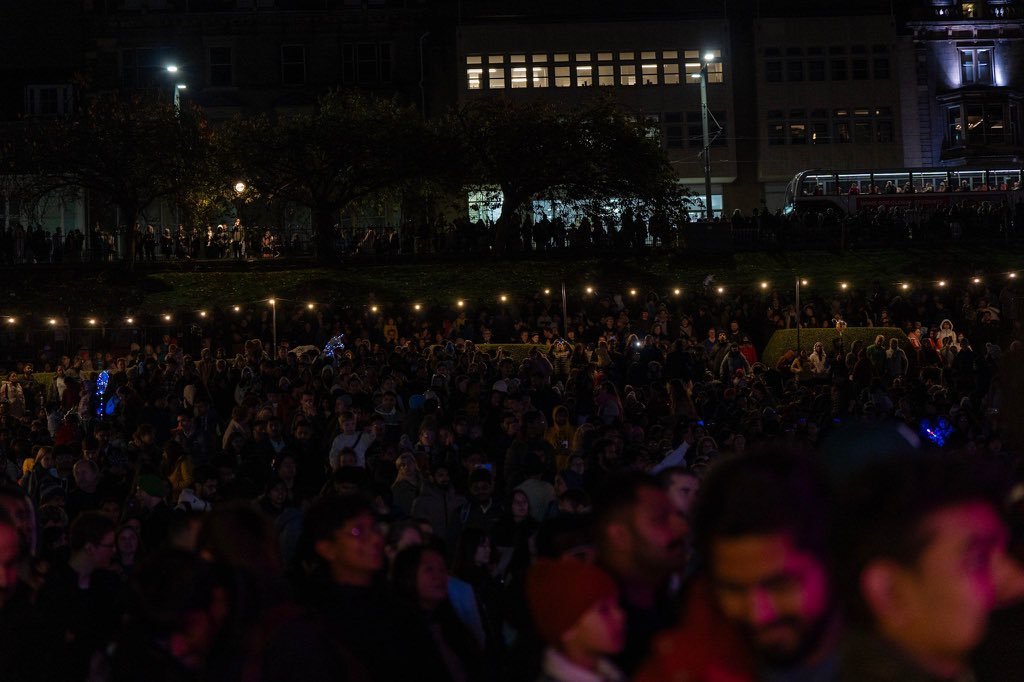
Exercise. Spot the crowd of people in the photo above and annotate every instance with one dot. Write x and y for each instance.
(868, 226)
(634, 494)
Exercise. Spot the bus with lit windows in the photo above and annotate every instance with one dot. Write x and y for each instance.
(924, 189)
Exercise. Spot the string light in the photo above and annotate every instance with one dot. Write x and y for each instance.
(803, 282)
(764, 285)
(92, 321)
(237, 308)
(590, 290)
(904, 286)
(373, 308)
(976, 280)
(53, 322)
(678, 292)
(202, 313)
(844, 286)
(310, 305)
(632, 292)
(11, 320)
(721, 290)
(1013, 275)
(503, 298)
(942, 282)
(417, 307)
(130, 320)
(167, 318)
(272, 301)
(460, 303)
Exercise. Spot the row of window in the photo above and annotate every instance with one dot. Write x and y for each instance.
(839, 126)
(836, 63)
(984, 123)
(361, 64)
(588, 69)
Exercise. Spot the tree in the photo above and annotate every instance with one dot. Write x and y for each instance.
(531, 149)
(131, 151)
(349, 148)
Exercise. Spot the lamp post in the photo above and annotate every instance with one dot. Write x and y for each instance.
(273, 316)
(706, 129)
(178, 87)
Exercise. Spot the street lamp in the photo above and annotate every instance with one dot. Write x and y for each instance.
(178, 87)
(705, 128)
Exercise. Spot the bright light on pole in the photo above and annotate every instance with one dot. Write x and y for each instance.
(171, 68)
(239, 187)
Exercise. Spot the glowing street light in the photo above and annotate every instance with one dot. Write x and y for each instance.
(976, 280)
(632, 292)
(844, 286)
(942, 282)
(167, 318)
(11, 320)
(803, 282)
(503, 298)
(202, 313)
(310, 306)
(171, 68)
(237, 308)
(92, 321)
(677, 292)
(53, 322)
(130, 320)
(764, 285)
(240, 187)
(904, 286)
(417, 307)
(547, 292)
(460, 303)
(721, 290)
(590, 290)
(373, 308)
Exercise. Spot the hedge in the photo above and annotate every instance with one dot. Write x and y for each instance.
(785, 339)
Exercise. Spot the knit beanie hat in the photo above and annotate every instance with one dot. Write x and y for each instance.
(152, 485)
(560, 592)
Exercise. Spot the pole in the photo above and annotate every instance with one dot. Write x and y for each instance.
(273, 315)
(177, 99)
(565, 314)
(707, 137)
(798, 315)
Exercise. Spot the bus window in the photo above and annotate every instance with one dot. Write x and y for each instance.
(854, 183)
(1004, 179)
(892, 183)
(968, 181)
(934, 181)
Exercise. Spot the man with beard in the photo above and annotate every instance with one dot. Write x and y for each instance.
(765, 607)
(641, 542)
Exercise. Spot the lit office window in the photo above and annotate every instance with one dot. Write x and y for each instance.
(691, 64)
(539, 73)
(496, 72)
(519, 77)
(584, 75)
(627, 74)
(671, 70)
(606, 74)
(605, 56)
(649, 71)
(562, 77)
(474, 72)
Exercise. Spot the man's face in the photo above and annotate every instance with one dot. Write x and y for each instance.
(947, 597)
(601, 628)
(103, 553)
(777, 593)
(481, 491)
(441, 478)
(357, 547)
(10, 553)
(682, 491)
(207, 490)
(658, 533)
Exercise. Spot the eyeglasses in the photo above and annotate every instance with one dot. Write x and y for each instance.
(363, 531)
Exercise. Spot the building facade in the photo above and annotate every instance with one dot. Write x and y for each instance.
(792, 86)
(963, 83)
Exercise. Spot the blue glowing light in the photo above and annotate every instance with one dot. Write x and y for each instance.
(334, 345)
(101, 387)
(938, 431)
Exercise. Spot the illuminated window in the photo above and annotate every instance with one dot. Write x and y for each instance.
(862, 126)
(517, 58)
(562, 78)
(955, 126)
(606, 74)
(496, 72)
(627, 74)
(691, 65)
(564, 57)
(584, 75)
(519, 77)
(648, 55)
(540, 76)
(670, 54)
(582, 56)
(671, 70)
(976, 66)
(605, 56)
(650, 73)
(539, 59)
(626, 56)
(474, 73)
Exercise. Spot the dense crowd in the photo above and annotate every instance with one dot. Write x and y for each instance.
(868, 226)
(637, 495)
